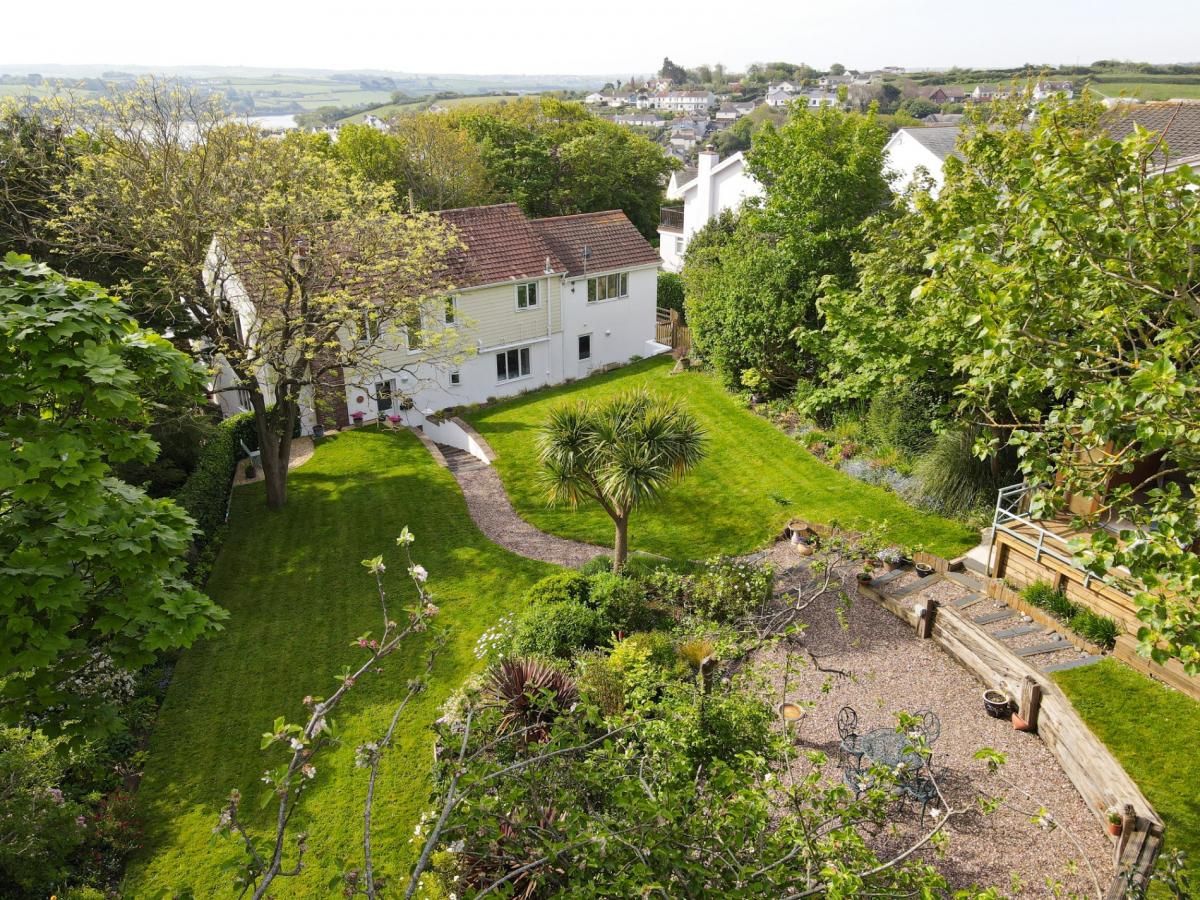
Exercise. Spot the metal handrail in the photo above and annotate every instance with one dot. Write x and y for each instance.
(1012, 506)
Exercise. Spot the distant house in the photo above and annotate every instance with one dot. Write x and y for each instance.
(727, 112)
(744, 109)
(986, 93)
(1044, 90)
(640, 120)
(912, 149)
(594, 99)
(714, 185)
(375, 122)
(816, 99)
(831, 82)
(943, 93)
(777, 97)
(786, 86)
(683, 101)
(538, 301)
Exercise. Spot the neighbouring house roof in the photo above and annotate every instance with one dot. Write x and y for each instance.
(610, 238)
(1178, 121)
(940, 140)
(500, 244)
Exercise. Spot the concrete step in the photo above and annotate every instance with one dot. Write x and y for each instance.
(967, 580)
(1016, 632)
(974, 566)
(457, 460)
(999, 616)
(1039, 649)
(1073, 663)
(969, 600)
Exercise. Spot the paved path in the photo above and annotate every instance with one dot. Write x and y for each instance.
(492, 511)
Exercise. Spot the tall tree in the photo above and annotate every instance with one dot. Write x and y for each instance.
(91, 569)
(620, 453)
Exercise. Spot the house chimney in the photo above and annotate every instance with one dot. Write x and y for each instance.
(704, 192)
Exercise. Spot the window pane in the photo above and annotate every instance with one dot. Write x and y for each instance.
(501, 369)
(585, 346)
(624, 284)
(520, 296)
(601, 289)
(591, 290)
(450, 311)
(455, 378)
(614, 286)
(533, 294)
(524, 360)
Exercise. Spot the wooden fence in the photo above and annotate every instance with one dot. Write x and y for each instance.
(670, 330)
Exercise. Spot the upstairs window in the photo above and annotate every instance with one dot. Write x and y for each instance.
(412, 330)
(450, 311)
(527, 295)
(608, 287)
(512, 364)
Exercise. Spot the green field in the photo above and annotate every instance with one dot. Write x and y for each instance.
(391, 110)
(1147, 90)
(752, 481)
(297, 595)
(1154, 732)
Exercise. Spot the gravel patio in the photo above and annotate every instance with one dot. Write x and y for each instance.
(889, 670)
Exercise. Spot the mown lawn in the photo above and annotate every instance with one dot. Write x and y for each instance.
(1155, 732)
(297, 595)
(752, 481)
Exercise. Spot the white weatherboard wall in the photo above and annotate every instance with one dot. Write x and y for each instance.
(619, 328)
(904, 155)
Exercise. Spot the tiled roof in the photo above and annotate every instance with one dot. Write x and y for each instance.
(609, 238)
(1178, 121)
(500, 244)
(939, 140)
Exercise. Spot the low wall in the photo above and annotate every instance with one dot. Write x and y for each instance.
(452, 432)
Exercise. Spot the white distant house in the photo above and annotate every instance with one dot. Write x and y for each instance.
(927, 148)
(640, 120)
(683, 101)
(375, 122)
(713, 186)
(786, 86)
(817, 99)
(535, 302)
(594, 98)
(1044, 90)
(777, 97)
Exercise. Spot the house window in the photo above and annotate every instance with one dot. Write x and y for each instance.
(412, 330)
(512, 364)
(455, 379)
(383, 395)
(527, 295)
(451, 311)
(368, 328)
(678, 246)
(585, 346)
(608, 287)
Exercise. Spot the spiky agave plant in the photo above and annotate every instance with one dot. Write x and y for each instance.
(530, 694)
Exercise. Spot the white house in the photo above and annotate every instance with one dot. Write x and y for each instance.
(593, 99)
(683, 101)
(817, 99)
(535, 302)
(786, 86)
(1044, 90)
(778, 97)
(912, 149)
(713, 186)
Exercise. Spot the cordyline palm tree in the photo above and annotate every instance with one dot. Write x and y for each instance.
(619, 453)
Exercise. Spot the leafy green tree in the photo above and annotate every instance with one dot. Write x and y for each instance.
(918, 107)
(837, 69)
(672, 71)
(621, 453)
(91, 569)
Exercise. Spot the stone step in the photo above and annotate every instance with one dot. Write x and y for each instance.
(964, 579)
(1039, 649)
(918, 585)
(1073, 663)
(886, 577)
(998, 616)
(1016, 632)
(975, 566)
(969, 600)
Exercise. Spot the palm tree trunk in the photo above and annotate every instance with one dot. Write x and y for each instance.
(621, 544)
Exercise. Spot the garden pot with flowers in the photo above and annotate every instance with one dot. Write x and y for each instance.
(1115, 823)
(357, 417)
(892, 558)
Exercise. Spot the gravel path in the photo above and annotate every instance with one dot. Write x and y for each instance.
(891, 670)
(492, 511)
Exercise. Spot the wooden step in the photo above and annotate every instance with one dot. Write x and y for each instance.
(1048, 647)
(919, 585)
(999, 616)
(1073, 663)
(1017, 631)
(969, 600)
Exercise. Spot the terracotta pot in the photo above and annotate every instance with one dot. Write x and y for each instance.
(893, 566)
(1018, 723)
(1114, 828)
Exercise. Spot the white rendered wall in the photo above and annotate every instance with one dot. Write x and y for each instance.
(904, 155)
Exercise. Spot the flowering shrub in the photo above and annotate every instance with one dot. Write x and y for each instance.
(493, 644)
(726, 590)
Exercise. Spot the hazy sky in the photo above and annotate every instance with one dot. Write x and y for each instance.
(616, 36)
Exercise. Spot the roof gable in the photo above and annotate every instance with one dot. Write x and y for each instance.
(595, 242)
(500, 245)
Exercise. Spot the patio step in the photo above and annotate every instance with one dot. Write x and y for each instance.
(963, 579)
(459, 460)
(999, 616)
(968, 600)
(886, 577)
(1039, 649)
(1016, 632)
(918, 585)
(974, 566)
(1073, 663)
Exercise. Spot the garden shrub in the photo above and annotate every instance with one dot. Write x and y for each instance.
(39, 829)
(596, 565)
(725, 590)
(621, 601)
(205, 494)
(670, 292)
(247, 433)
(1097, 628)
(954, 481)
(600, 682)
(643, 648)
(732, 723)
(561, 587)
(901, 417)
(558, 629)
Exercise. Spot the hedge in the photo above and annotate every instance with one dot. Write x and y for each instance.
(205, 494)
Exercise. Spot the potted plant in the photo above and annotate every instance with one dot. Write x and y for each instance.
(865, 576)
(251, 472)
(318, 431)
(923, 569)
(997, 703)
(891, 557)
(1115, 822)
(357, 417)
